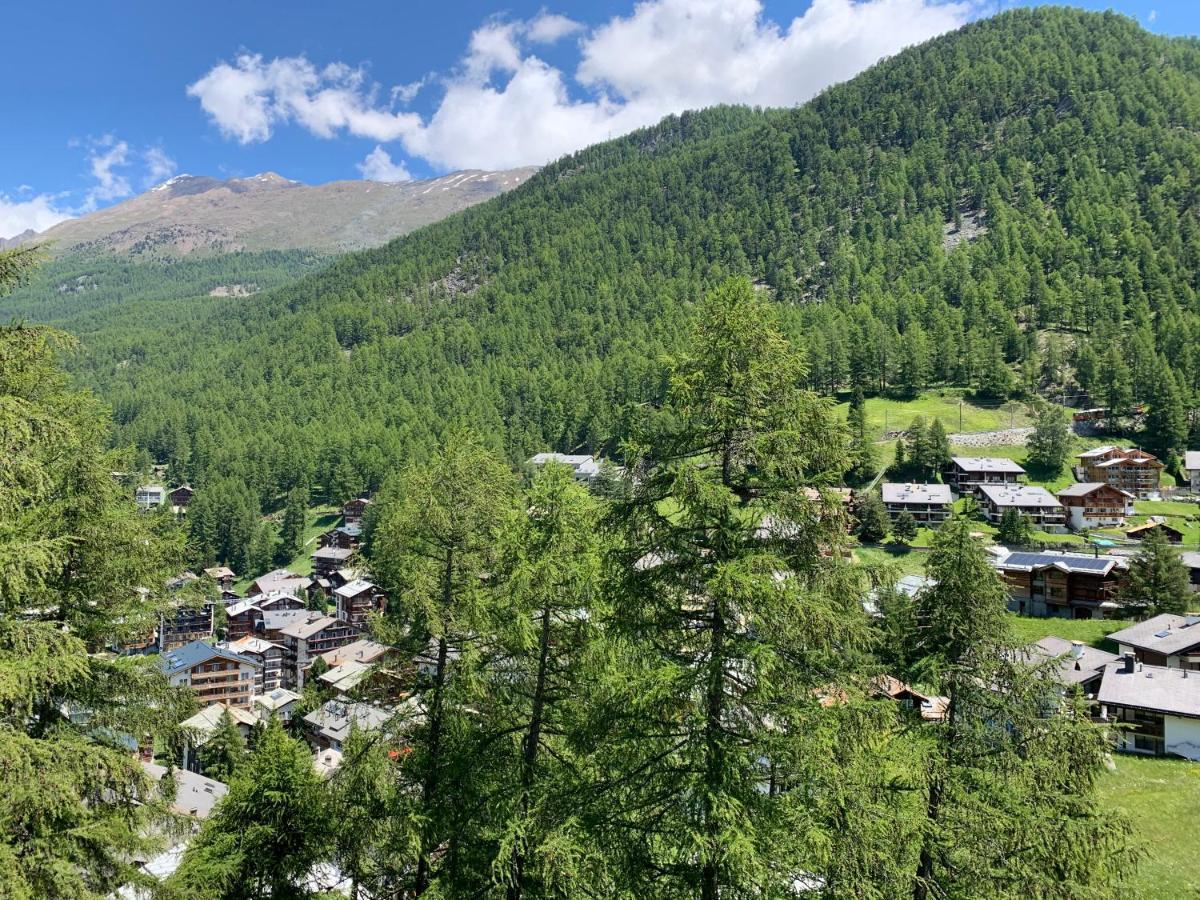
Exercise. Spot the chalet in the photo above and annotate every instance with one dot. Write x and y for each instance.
(358, 600)
(1164, 640)
(280, 703)
(328, 560)
(1095, 504)
(1158, 707)
(1129, 469)
(199, 729)
(215, 675)
(1191, 468)
(968, 472)
(245, 617)
(181, 496)
(928, 503)
(329, 725)
(150, 495)
(1078, 664)
(185, 621)
(269, 657)
(362, 651)
(354, 510)
(223, 576)
(278, 580)
(1030, 500)
(583, 468)
(305, 641)
(1191, 559)
(1062, 585)
(274, 621)
(1141, 532)
(344, 537)
(194, 796)
(931, 708)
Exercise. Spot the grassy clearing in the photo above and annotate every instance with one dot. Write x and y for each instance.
(956, 413)
(1091, 631)
(1160, 796)
(905, 561)
(1166, 508)
(320, 519)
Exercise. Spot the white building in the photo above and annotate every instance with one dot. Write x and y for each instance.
(583, 468)
(929, 503)
(1191, 468)
(1159, 707)
(1029, 500)
(150, 495)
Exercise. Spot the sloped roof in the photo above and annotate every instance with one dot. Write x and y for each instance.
(353, 588)
(1084, 488)
(1019, 495)
(196, 652)
(1166, 633)
(1074, 667)
(987, 464)
(195, 795)
(1157, 688)
(206, 721)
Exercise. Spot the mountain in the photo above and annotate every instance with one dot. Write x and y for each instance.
(1012, 208)
(190, 213)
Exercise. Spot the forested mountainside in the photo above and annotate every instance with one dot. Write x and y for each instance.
(1011, 207)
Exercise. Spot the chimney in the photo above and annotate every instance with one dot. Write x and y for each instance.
(1076, 649)
(1129, 661)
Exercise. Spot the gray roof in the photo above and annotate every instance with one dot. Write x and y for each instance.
(1020, 496)
(1067, 562)
(1190, 558)
(276, 619)
(1156, 688)
(1083, 488)
(195, 653)
(1072, 669)
(338, 553)
(195, 795)
(916, 493)
(1166, 634)
(987, 464)
(353, 588)
(335, 717)
(1191, 460)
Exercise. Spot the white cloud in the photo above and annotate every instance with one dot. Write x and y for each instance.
(106, 156)
(159, 166)
(1152, 15)
(379, 166)
(548, 27)
(38, 213)
(505, 107)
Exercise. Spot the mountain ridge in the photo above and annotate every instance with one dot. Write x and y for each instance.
(197, 213)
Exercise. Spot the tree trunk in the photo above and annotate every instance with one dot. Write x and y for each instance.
(713, 754)
(529, 753)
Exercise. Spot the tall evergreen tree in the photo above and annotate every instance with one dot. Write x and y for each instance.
(904, 529)
(1166, 426)
(1158, 580)
(291, 529)
(717, 700)
(871, 517)
(224, 750)
(1050, 442)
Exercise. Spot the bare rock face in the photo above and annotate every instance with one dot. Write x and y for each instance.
(193, 213)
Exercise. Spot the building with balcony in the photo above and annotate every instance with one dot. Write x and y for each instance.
(214, 674)
(1062, 585)
(930, 504)
(1164, 640)
(967, 472)
(1158, 708)
(1095, 504)
(1131, 470)
(1029, 500)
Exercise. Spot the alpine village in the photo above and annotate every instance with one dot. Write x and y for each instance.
(765, 503)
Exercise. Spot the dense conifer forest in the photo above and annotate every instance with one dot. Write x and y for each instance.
(1011, 208)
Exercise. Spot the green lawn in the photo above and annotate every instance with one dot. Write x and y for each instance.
(1166, 508)
(896, 415)
(319, 520)
(1161, 797)
(906, 561)
(1091, 631)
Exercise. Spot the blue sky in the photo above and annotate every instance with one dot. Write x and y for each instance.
(102, 100)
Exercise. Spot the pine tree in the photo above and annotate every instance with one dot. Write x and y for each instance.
(711, 632)
(871, 516)
(937, 449)
(224, 750)
(1158, 581)
(918, 445)
(1114, 386)
(267, 832)
(1166, 426)
(899, 459)
(995, 380)
(434, 550)
(1050, 444)
(904, 529)
(1014, 529)
(291, 530)
(261, 552)
(862, 447)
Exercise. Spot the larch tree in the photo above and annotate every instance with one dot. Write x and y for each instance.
(732, 605)
(1158, 581)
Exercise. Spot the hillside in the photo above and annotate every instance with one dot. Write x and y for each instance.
(1011, 208)
(190, 213)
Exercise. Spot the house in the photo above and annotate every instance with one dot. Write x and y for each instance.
(184, 622)
(272, 622)
(1164, 640)
(354, 510)
(198, 729)
(223, 576)
(149, 495)
(276, 582)
(244, 617)
(280, 703)
(1129, 469)
(194, 795)
(1029, 500)
(358, 600)
(305, 641)
(269, 657)
(908, 585)
(328, 560)
(1191, 559)
(363, 651)
(583, 468)
(1078, 664)
(345, 537)
(967, 472)
(928, 503)
(1191, 468)
(1095, 504)
(181, 496)
(932, 708)
(215, 675)
(1156, 523)
(1062, 585)
(1159, 708)
(330, 724)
